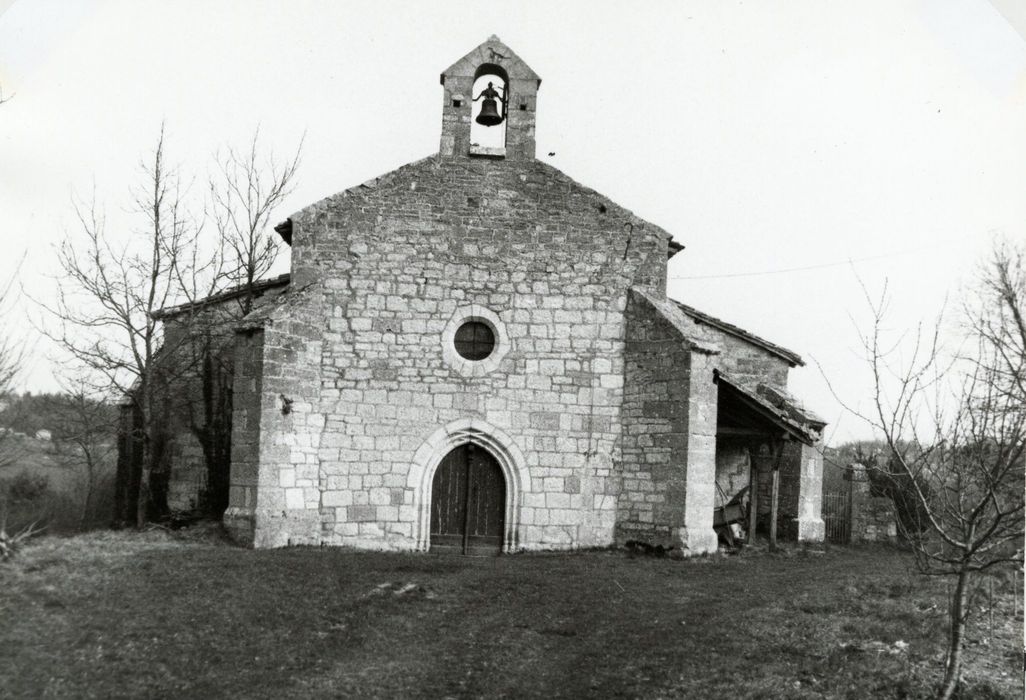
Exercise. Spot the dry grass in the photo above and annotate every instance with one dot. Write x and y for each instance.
(161, 614)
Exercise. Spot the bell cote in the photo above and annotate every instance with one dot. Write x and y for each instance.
(488, 104)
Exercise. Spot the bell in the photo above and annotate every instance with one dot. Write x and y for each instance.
(489, 115)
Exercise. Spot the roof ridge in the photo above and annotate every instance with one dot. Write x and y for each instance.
(224, 295)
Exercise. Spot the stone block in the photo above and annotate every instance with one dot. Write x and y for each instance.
(294, 499)
(361, 513)
(337, 498)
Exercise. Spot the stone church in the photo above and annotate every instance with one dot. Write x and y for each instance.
(475, 353)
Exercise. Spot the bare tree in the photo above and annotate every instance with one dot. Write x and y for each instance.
(83, 436)
(12, 356)
(955, 428)
(244, 193)
(997, 320)
(108, 289)
(246, 190)
(111, 292)
(11, 360)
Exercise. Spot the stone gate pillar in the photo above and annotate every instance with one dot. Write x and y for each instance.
(810, 494)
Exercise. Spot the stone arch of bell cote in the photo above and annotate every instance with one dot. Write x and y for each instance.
(520, 96)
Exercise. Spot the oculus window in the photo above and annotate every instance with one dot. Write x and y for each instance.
(474, 340)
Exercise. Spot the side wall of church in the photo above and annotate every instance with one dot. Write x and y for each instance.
(195, 366)
(404, 260)
(247, 398)
(187, 482)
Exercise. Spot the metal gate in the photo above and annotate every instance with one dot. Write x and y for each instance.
(837, 516)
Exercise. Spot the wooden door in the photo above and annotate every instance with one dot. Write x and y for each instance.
(468, 503)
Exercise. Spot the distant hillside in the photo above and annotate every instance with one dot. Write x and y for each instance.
(29, 413)
(47, 482)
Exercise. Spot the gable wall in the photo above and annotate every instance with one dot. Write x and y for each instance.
(395, 262)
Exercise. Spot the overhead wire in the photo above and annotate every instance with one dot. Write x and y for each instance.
(820, 266)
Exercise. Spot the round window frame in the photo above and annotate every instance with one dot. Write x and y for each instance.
(491, 342)
(474, 368)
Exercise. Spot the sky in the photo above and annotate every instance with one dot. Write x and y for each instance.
(799, 149)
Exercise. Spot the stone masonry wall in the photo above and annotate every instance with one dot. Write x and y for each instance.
(291, 480)
(788, 489)
(669, 419)
(398, 261)
(697, 535)
(732, 468)
(746, 363)
(247, 395)
(810, 495)
(872, 517)
(197, 349)
(655, 427)
(188, 479)
(788, 484)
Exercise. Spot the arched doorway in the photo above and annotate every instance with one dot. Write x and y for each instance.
(468, 503)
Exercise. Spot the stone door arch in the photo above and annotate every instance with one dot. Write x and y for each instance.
(498, 444)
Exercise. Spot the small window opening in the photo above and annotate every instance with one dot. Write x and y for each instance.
(474, 340)
(523, 107)
(457, 103)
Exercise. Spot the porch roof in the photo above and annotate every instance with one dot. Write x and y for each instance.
(765, 413)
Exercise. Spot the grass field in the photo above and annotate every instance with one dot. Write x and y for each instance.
(162, 615)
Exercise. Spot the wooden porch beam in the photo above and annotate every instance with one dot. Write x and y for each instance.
(775, 495)
(753, 492)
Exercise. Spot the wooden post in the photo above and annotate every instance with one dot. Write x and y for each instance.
(753, 495)
(775, 494)
(849, 521)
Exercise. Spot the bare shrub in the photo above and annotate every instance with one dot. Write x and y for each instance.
(955, 429)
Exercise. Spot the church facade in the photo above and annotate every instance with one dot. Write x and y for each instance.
(475, 353)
